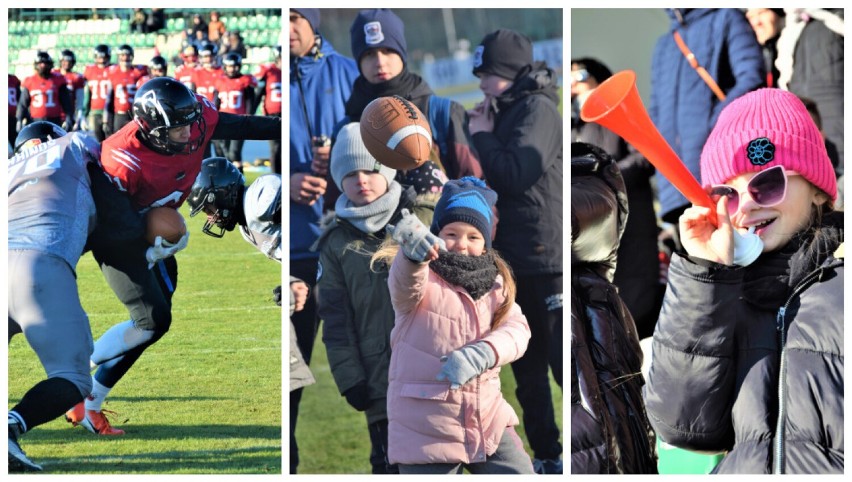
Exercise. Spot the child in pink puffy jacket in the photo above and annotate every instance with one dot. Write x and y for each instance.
(456, 324)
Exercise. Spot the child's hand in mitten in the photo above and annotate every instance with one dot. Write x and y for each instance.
(466, 363)
(414, 237)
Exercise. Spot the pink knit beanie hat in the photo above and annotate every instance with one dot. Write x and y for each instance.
(762, 129)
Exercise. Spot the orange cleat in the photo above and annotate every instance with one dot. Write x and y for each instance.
(92, 420)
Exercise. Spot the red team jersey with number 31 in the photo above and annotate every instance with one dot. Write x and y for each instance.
(150, 178)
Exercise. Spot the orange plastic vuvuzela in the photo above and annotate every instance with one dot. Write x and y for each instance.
(616, 105)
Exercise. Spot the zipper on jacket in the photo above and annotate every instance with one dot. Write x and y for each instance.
(779, 461)
(302, 101)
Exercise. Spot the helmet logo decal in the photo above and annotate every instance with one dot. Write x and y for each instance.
(151, 106)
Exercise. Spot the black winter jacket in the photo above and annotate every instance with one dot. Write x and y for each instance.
(610, 432)
(522, 160)
(753, 365)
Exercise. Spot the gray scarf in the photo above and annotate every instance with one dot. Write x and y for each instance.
(374, 216)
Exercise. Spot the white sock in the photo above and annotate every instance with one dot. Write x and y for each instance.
(97, 397)
(14, 417)
(118, 340)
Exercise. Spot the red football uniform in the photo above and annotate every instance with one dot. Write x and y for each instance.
(124, 86)
(44, 95)
(97, 83)
(231, 93)
(14, 89)
(184, 73)
(272, 100)
(74, 81)
(205, 82)
(150, 178)
(142, 80)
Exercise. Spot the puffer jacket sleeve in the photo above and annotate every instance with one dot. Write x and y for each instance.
(464, 158)
(406, 281)
(690, 390)
(511, 337)
(338, 330)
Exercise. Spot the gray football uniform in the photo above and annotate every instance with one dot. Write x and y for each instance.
(50, 197)
(51, 212)
(262, 199)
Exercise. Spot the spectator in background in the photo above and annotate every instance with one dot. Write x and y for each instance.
(234, 44)
(216, 28)
(767, 24)
(610, 431)
(810, 64)
(637, 273)
(139, 22)
(517, 130)
(320, 82)
(197, 25)
(378, 44)
(156, 20)
(683, 107)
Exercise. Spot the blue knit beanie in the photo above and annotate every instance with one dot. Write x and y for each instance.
(467, 200)
(312, 15)
(377, 28)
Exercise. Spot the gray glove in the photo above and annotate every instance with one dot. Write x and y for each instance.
(466, 363)
(163, 249)
(414, 237)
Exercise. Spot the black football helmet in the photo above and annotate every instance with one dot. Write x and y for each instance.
(207, 54)
(235, 60)
(218, 192)
(67, 56)
(43, 63)
(102, 54)
(158, 64)
(162, 104)
(41, 131)
(125, 55)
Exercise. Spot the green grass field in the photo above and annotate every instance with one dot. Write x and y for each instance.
(206, 398)
(333, 437)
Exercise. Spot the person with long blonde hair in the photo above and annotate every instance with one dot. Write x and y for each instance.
(456, 323)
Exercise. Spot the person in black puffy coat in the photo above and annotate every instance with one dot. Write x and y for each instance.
(610, 432)
(748, 354)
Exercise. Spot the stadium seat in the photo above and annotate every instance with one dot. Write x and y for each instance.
(125, 26)
(242, 23)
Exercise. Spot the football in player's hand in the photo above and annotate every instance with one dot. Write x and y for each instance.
(396, 133)
(165, 222)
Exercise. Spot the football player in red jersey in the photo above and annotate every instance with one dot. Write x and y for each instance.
(44, 96)
(235, 96)
(204, 78)
(157, 67)
(184, 72)
(76, 84)
(96, 91)
(122, 87)
(269, 93)
(14, 95)
(155, 160)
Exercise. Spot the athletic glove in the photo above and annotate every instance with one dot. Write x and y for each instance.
(467, 362)
(414, 237)
(163, 249)
(358, 396)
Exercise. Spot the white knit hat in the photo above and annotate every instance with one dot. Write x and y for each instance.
(350, 154)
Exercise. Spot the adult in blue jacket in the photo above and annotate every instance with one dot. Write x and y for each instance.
(320, 82)
(682, 106)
